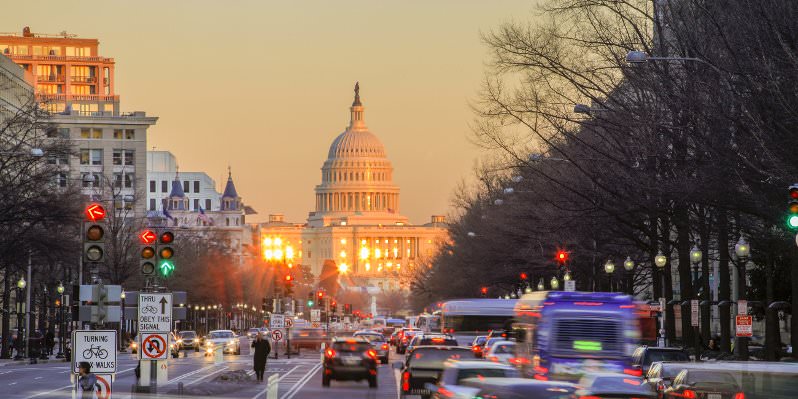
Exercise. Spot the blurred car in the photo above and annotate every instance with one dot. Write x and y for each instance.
(349, 358)
(431, 340)
(424, 365)
(489, 341)
(134, 345)
(225, 339)
(174, 345)
(616, 386)
(253, 332)
(476, 345)
(643, 356)
(404, 340)
(265, 333)
(661, 374)
(501, 352)
(519, 388)
(704, 384)
(392, 339)
(378, 343)
(455, 371)
(308, 338)
(188, 339)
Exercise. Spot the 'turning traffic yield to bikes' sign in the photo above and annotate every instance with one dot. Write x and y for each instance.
(97, 347)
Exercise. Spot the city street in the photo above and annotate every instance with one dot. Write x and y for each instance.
(300, 377)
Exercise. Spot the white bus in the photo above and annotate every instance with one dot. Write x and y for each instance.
(477, 316)
(428, 323)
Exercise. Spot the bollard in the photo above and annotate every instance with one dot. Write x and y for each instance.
(180, 388)
(218, 354)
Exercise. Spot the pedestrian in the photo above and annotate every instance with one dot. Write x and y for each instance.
(260, 354)
(49, 340)
(86, 380)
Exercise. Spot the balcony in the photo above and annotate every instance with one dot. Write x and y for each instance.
(59, 58)
(84, 79)
(50, 78)
(78, 97)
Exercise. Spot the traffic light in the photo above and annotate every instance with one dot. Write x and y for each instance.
(263, 304)
(147, 262)
(524, 276)
(792, 207)
(94, 234)
(288, 284)
(484, 291)
(320, 296)
(334, 306)
(347, 308)
(562, 256)
(166, 265)
(311, 297)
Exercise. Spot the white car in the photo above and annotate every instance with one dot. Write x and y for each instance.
(455, 371)
(225, 339)
(501, 352)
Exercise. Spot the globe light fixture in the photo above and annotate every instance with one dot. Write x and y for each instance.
(122, 295)
(527, 290)
(660, 260)
(628, 264)
(60, 288)
(555, 284)
(742, 249)
(696, 255)
(567, 276)
(541, 287)
(609, 267)
(21, 284)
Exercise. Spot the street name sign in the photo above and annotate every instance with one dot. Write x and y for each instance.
(277, 321)
(155, 312)
(97, 347)
(154, 346)
(744, 326)
(694, 312)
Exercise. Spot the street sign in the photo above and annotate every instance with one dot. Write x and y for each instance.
(694, 315)
(154, 346)
(315, 315)
(155, 312)
(289, 322)
(277, 335)
(277, 321)
(742, 306)
(744, 325)
(570, 285)
(102, 388)
(97, 347)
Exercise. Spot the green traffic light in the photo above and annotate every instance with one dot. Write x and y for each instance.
(166, 267)
(310, 304)
(792, 221)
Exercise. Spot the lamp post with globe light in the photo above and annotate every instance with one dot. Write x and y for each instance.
(660, 261)
(21, 331)
(60, 291)
(629, 266)
(695, 258)
(743, 251)
(609, 268)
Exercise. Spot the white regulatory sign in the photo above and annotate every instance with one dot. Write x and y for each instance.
(154, 346)
(97, 347)
(694, 315)
(277, 321)
(155, 312)
(289, 322)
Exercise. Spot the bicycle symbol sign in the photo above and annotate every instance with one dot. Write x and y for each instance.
(97, 347)
(154, 345)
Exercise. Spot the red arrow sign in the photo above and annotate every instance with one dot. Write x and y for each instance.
(147, 237)
(95, 212)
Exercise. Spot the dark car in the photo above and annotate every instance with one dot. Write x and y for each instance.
(308, 338)
(424, 366)
(661, 374)
(489, 341)
(431, 340)
(350, 358)
(378, 343)
(643, 356)
(476, 345)
(404, 341)
(616, 386)
(704, 384)
(188, 339)
(394, 337)
(519, 388)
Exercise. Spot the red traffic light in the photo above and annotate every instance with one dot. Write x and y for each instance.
(147, 237)
(484, 290)
(562, 256)
(793, 191)
(320, 294)
(524, 276)
(95, 212)
(288, 278)
(167, 237)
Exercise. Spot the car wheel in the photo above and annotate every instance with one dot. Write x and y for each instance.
(373, 381)
(325, 381)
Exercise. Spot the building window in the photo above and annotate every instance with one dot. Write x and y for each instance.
(91, 157)
(152, 186)
(129, 179)
(152, 204)
(129, 157)
(123, 157)
(196, 204)
(59, 133)
(117, 134)
(86, 133)
(164, 186)
(185, 186)
(117, 180)
(207, 204)
(130, 134)
(61, 179)
(91, 180)
(196, 186)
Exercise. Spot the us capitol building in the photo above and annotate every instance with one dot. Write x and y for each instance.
(357, 228)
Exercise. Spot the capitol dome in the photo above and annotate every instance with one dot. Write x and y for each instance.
(356, 144)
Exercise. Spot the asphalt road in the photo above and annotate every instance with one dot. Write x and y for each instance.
(299, 378)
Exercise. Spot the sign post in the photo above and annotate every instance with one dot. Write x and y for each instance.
(276, 323)
(289, 322)
(155, 316)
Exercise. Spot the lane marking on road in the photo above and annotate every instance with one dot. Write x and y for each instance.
(190, 373)
(302, 382)
(38, 378)
(207, 375)
(264, 391)
(13, 383)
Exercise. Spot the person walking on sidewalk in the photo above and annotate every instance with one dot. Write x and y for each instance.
(86, 380)
(260, 354)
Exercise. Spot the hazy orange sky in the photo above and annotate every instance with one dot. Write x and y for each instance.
(265, 86)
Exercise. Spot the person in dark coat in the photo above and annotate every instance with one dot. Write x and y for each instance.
(260, 354)
(49, 341)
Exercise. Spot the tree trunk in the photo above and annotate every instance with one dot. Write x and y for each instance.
(772, 336)
(706, 311)
(685, 284)
(670, 319)
(724, 280)
(5, 352)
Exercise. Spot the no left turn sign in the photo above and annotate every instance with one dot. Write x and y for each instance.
(154, 346)
(277, 335)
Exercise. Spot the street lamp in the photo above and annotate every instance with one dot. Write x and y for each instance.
(743, 250)
(541, 287)
(695, 258)
(122, 342)
(60, 291)
(628, 264)
(555, 284)
(660, 260)
(21, 284)
(609, 268)
(567, 276)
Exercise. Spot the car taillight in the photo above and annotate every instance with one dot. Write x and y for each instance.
(520, 361)
(634, 372)
(406, 381)
(589, 397)
(330, 353)
(493, 359)
(689, 394)
(476, 348)
(371, 353)
(445, 392)
(739, 395)
(384, 346)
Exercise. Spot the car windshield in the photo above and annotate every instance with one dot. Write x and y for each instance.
(479, 340)
(187, 334)
(665, 356)
(491, 341)
(504, 349)
(221, 334)
(703, 377)
(487, 372)
(435, 357)
(349, 347)
(372, 337)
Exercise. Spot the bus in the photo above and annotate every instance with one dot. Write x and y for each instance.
(428, 323)
(472, 317)
(563, 335)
